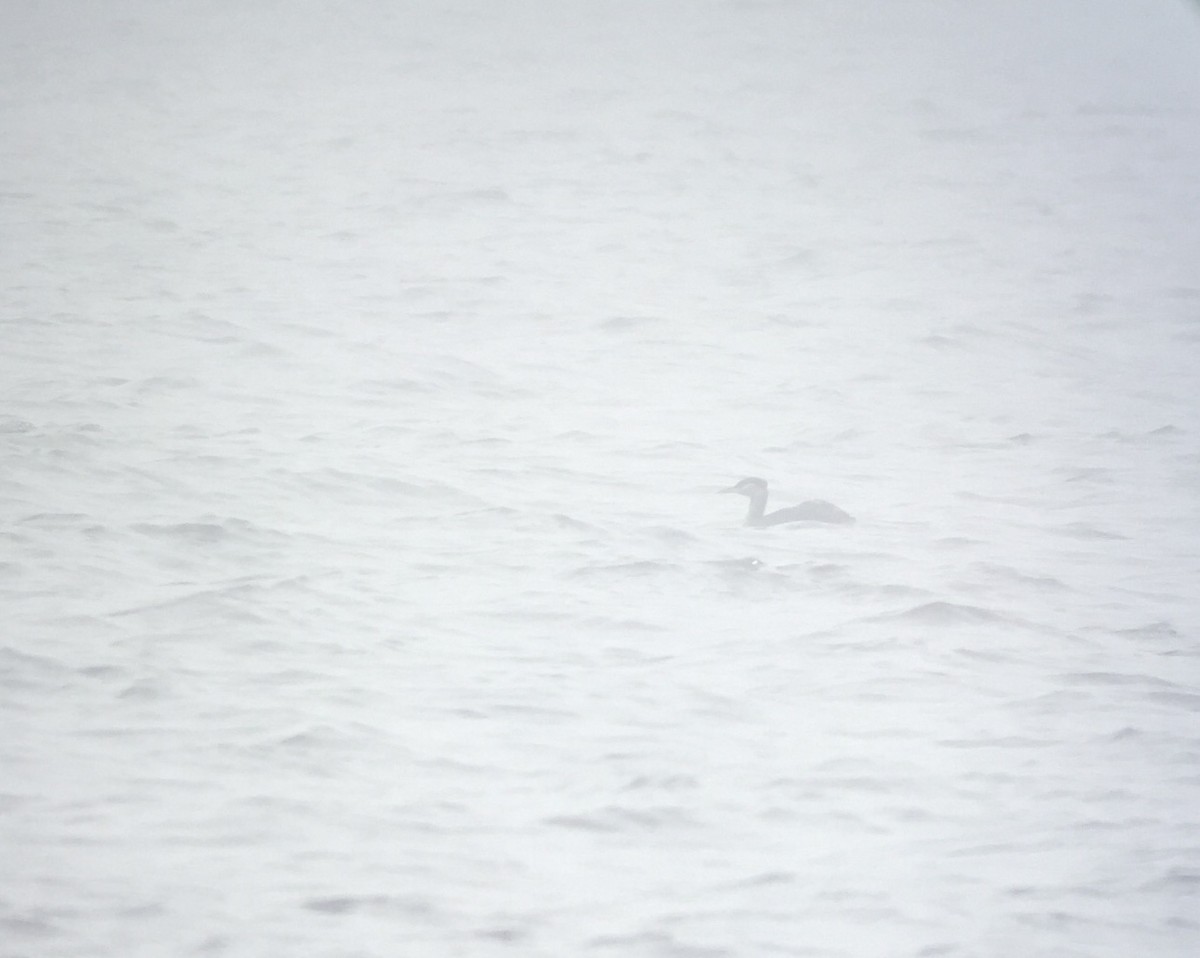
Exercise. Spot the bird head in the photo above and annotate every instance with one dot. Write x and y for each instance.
(750, 486)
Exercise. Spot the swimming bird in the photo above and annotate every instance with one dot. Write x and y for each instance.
(815, 510)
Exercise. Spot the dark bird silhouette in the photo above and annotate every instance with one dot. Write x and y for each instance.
(815, 510)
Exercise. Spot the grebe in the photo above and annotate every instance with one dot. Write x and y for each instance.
(815, 510)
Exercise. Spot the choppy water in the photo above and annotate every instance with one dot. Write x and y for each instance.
(369, 369)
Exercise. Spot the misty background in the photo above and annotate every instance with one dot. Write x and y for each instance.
(368, 374)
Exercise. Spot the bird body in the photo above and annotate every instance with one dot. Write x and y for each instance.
(815, 510)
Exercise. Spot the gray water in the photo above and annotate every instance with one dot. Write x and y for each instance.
(368, 373)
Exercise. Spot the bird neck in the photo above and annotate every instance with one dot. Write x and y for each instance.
(758, 504)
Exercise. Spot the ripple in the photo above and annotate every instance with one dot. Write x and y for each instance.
(616, 819)
(1082, 530)
(951, 613)
(414, 906)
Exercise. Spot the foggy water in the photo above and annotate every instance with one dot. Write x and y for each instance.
(368, 374)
